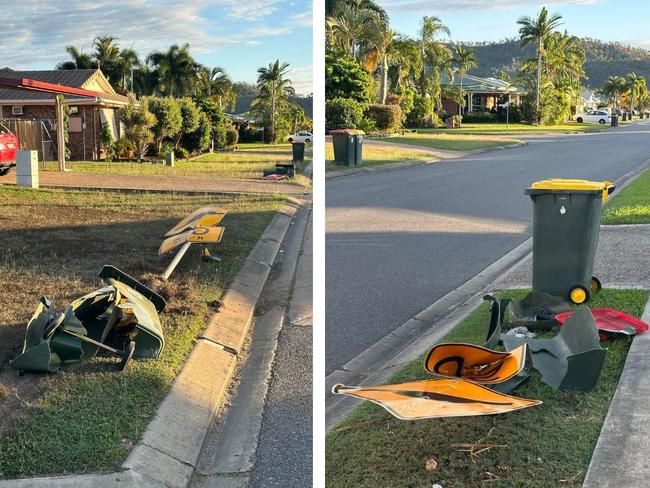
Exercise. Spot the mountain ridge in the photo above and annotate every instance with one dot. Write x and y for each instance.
(603, 59)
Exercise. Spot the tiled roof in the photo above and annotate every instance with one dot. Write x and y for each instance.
(73, 77)
(478, 84)
(67, 77)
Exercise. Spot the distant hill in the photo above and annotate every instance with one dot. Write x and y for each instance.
(246, 92)
(603, 59)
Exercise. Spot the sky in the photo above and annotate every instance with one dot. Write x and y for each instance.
(625, 21)
(238, 35)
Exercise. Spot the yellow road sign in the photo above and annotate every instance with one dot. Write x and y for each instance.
(206, 235)
(475, 363)
(439, 397)
(202, 217)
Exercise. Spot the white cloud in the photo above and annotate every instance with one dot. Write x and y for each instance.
(36, 32)
(459, 5)
(302, 79)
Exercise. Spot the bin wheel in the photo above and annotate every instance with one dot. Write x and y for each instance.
(595, 285)
(579, 294)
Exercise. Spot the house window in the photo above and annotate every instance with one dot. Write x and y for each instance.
(16, 110)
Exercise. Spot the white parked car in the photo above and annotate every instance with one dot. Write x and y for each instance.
(302, 136)
(593, 117)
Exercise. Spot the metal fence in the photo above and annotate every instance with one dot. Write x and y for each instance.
(35, 135)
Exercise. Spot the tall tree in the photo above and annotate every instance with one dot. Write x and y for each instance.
(537, 31)
(332, 7)
(272, 80)
(614, 86)
(435, 56)
(636, 86)
(175, 69)
(80, 60)
(464, 60)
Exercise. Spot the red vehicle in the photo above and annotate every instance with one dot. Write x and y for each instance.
(8, 146)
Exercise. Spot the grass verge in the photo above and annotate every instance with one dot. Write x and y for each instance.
(249, 161)
(374, 155)
(632, 204)
(451, 142)
(517, 128)
(86, 417)
(549, 445)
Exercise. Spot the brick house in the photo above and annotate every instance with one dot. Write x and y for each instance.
(481, 94)
(32, 115)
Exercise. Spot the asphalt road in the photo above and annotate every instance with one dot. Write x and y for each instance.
(398, 241)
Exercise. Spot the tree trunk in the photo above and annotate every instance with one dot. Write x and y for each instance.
(539, 78)
(384, 79)
(460, 103)
(272, 138)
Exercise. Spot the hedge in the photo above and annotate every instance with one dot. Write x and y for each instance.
(387, 118)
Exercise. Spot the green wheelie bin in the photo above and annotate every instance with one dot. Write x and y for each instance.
(566, 223)
(347, 146)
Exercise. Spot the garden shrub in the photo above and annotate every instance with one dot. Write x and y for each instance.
(249, 134)
(181, 153)
(199, 139)
(344, 78)
(387, 118)
(232, 137)
(343, 113)
(422, 114)
(479, 117)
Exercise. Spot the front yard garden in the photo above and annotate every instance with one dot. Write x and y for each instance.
(250, 160)
(85, 418)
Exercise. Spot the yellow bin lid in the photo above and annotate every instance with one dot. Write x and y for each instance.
(560, 184)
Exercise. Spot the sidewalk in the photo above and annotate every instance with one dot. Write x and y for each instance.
(181, 184)
(622, 260)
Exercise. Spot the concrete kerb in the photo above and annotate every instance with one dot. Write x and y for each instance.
(620, 456)
(384, 168)
(416, 335)
(167, 453)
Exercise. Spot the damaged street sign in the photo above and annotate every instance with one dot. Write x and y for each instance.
(573, 359)
(203, 235)
(437, 397)
(122, 313)
(475, 363)
(198, 227)
(202, 217)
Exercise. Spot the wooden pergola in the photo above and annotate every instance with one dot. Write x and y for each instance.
(52, 89)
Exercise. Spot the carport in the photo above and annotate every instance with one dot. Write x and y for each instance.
(57, 91)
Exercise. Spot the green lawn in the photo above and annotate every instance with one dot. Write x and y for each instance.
(249, 161)
(517, 128)
(86, 417)
(549, 445)
(632, 205)
(374, 155)
(451, 141)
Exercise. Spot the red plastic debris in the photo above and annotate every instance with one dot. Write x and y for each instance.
(610, 322)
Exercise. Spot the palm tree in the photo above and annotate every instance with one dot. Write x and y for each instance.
(352, 29)
(381, 44)
(430, 28)
(80, 60)
(175, 69)
(614, 86)
(332, 7)
(272, 79)
(406, 61)
(537, 31)
(127, 61)
(636, 86)
(464, 61)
